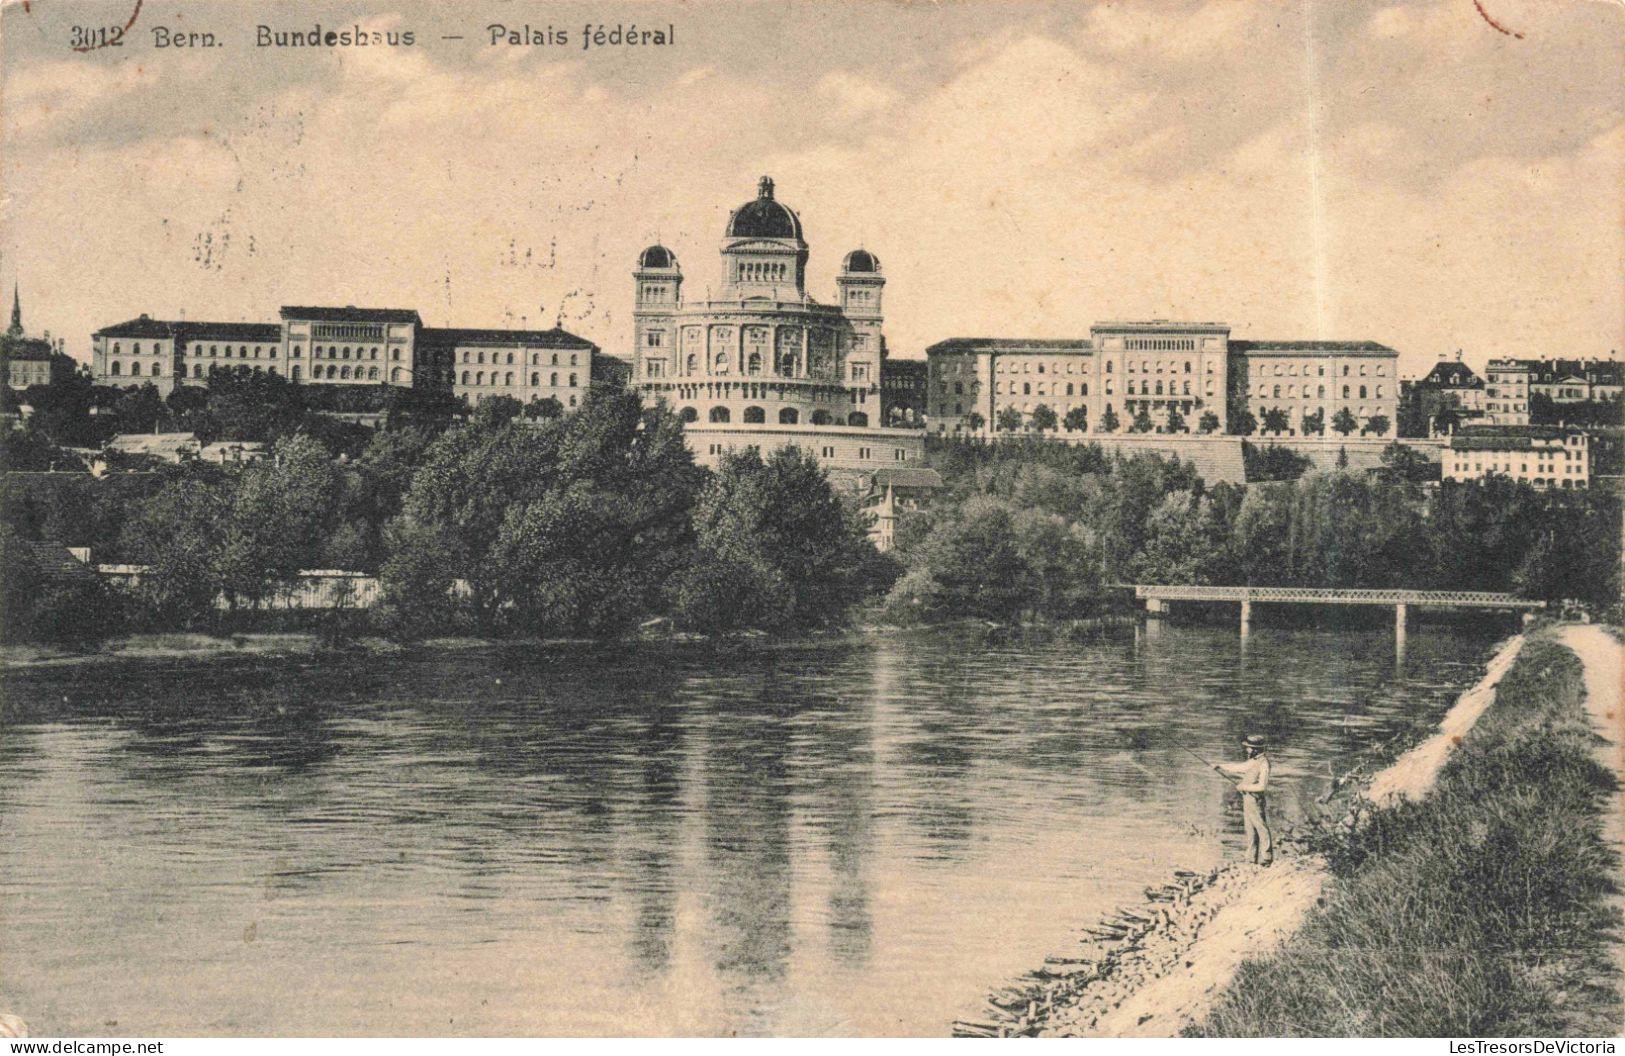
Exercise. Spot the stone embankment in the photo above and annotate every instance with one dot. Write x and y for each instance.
(1152, 969)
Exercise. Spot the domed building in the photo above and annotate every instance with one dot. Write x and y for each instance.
(761, 356)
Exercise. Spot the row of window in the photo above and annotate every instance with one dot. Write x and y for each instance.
(507, 379)
(1320, 392)
(758, 416)
(1291, 370)
(535, 358)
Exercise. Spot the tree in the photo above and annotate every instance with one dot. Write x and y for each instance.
(1272, 462)
(774, 548)
(975, 422)
(1008, 420)
(1342, 457)
(1179, 548)
(1276, 420)
(1402, 463)
(1109, 422)
(569, 526)
(1044, 419)
(967, 565)
(543, 407)
(497, 410)
(176, 533)
(1344, 422)
(1242, 422)
(1447, 421)
(1209, 422)
(1314, 423)
(1142, 422)
(1175, 422)
(1377, 425)
(278, 516)
(1077, 419)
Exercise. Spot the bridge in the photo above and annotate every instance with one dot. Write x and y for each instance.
(1158, 596)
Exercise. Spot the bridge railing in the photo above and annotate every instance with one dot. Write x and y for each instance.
(1327, 596)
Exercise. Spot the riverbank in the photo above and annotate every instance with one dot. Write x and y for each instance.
(1154, 970)
(1487, 908)
(191, 646)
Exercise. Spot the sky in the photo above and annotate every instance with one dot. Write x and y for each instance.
(1412, 173)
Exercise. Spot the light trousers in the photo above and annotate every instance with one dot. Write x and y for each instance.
(1255, 820)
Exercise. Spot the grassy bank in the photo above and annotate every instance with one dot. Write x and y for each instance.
(1480, 911)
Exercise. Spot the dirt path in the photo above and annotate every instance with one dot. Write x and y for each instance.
(1604, 661)
(1251, 911)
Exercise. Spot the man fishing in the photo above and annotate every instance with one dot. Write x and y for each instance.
(1253, 782)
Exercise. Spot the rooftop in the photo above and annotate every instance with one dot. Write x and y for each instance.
(1160, 325)
(1011, 344)
(141, 326)
(351, 314)
(203, 331)
(457, 335)
(1312, 346)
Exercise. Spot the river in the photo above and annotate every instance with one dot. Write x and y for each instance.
(848, 836)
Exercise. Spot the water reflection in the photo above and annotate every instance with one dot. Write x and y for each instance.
(843, 836)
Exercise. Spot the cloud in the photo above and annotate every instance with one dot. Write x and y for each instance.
(853, 97)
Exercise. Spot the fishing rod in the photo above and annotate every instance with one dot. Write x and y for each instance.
(1204, 762)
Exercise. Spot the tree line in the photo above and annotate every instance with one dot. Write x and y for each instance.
(1029, 530)
(581, 524)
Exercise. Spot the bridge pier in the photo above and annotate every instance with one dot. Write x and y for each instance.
(1155, 606)
(1400, 612)
(1246, 617)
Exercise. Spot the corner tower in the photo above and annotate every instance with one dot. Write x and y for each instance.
(659, 294)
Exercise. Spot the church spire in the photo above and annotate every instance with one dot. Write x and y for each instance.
(16, 328)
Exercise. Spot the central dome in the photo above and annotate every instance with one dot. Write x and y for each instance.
(764, 217)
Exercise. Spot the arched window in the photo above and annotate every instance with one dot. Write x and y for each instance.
(372, 373)
(135, 370)
(1362, 392)
(1187, 366)
(479, 357)
(693, 364)
(1069, 388)
(787, 416)
(1345, 392)
(1320, 391)
(1159, 389)
(689, 414)
(344, 372)
(787, 364)
(572, 381)
(857, 418)
(272, 369)
(465, 377)
(535, 380)
(116, 347)
(298, 351)
(197, 370)
(720, 363)
(507, 379)
(720, 414)
(754, 416)
(553, 380)
(228, 352)
(374, 354)
(1108, 366)
(754, 364)
(346, 353)
(296, 372)
(510, 359)
(157, 369)
(479, 378)
(572, 359)
(117, 369)
(820, 418)
(1277, 391)
(395, 376)
(242, 351)
(136, 348)
(395, 355)
(556, 360)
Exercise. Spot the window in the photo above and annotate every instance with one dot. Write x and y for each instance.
(553, 380)
(197, 370)
(1345, 391)
(510, 359)
(479, 357)
(297, 370)
(720, 414)
(789, 416)
(395, 376)
(479, 377)
(135, 370)
(689, 414)
(536, 380)
(572, 359)
(372, 373)
(345, 373)
(395, 355)
(572, 381)
(654, 338)
(754, 416)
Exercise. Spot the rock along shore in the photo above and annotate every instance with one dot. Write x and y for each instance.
(1151, 969)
